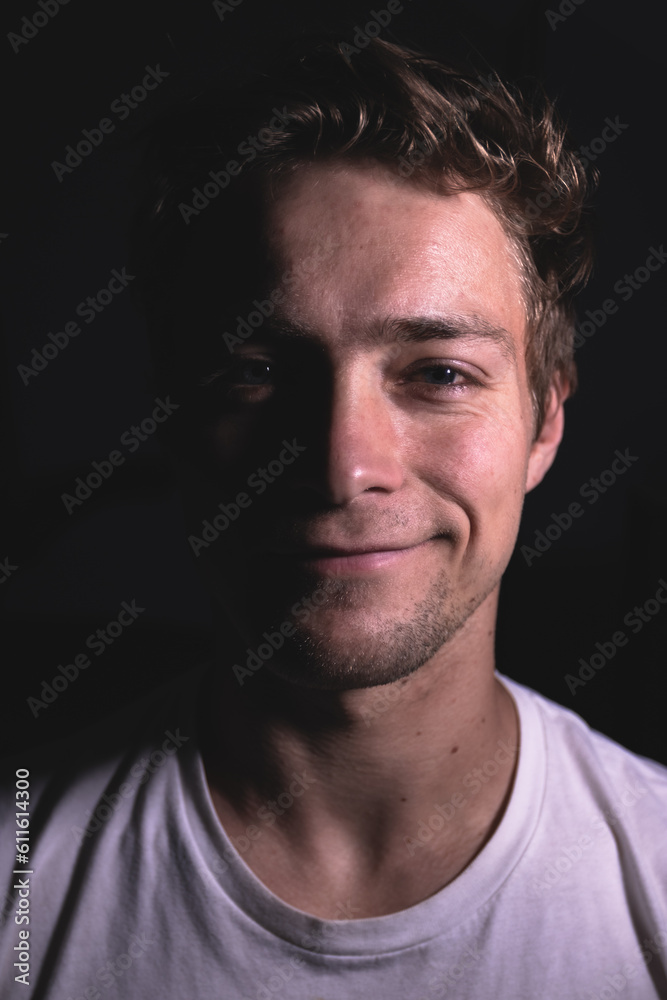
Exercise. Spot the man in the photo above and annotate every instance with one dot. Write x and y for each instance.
(372, 342)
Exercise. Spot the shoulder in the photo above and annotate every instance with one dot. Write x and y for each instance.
(88, 757)
(570, 735)
(597, 853)
(585, 764)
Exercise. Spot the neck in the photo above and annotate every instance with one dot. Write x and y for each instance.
(367, 767)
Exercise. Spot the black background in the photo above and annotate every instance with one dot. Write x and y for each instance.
(60, 241)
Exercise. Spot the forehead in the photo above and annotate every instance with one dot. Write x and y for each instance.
(354, 245)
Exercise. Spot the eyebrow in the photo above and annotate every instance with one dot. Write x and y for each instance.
(453, 327)
(411, 330)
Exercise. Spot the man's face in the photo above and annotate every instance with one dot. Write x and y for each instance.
(395, 359)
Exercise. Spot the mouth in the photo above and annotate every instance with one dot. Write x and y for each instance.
(334, 561)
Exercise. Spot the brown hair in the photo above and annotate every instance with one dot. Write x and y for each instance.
(421, 119)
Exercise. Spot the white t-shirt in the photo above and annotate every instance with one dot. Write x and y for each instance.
(134, 890)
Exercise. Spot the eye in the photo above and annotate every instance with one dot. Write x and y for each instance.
(441, 374)
(242, 373)
(437, 375)
(250, 371)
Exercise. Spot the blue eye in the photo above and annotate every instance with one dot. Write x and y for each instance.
(429, 376)
(442, 374)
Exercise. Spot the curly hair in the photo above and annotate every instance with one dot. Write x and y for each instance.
(423, 120)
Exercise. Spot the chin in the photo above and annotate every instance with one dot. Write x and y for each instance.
(342, 645)
(348, 633)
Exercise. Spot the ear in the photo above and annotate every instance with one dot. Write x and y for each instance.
(544, 447)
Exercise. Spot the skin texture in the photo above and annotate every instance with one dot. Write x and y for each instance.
(422, 446)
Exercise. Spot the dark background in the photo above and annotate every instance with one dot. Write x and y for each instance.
(60, 241)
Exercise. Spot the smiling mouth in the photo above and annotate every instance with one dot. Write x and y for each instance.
(338, 561)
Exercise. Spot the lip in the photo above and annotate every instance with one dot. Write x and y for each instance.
(338, 561)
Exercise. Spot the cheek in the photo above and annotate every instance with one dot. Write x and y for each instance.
(481, 465)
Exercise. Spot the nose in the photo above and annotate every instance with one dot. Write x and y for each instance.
(358, 445)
